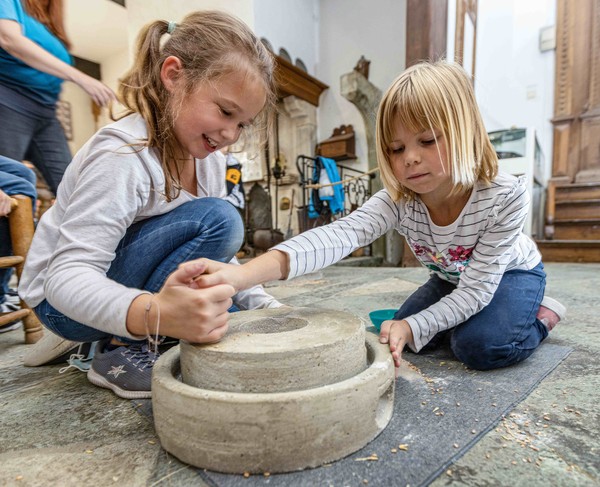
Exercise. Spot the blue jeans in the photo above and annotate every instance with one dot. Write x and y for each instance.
(15, 178)
(503, 333)
(152, 249)
(39, 139)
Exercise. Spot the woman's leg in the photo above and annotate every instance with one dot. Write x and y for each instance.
(16, 134)
(506, 331)
(429, 293)
(49, 151)
(153, 248)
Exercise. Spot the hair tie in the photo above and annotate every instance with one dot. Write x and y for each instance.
(171, 27)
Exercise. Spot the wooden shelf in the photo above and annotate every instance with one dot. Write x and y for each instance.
(293, 81)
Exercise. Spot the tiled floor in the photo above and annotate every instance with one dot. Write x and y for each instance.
(57, 429)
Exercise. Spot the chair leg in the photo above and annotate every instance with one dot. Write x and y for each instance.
(20, 221)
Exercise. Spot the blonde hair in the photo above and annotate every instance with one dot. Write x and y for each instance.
(440, 96)
(210, 45)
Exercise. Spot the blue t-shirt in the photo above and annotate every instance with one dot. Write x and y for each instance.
(14, 74)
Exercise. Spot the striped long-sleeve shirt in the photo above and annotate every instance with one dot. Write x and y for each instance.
(474, 252)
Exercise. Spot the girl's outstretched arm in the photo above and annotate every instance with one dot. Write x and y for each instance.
(270, 266)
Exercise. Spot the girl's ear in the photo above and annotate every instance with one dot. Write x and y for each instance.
(170, 72)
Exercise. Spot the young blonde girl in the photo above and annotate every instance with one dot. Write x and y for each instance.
(144, 195)
(462, 219)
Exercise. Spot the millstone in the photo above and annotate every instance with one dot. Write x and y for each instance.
(278, 431)
(278, 350)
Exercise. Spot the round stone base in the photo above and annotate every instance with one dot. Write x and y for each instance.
(236, 432)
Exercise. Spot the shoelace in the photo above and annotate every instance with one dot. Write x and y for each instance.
(78, 360)
(144, 356)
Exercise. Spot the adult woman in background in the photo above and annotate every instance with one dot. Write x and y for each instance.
(34, 61)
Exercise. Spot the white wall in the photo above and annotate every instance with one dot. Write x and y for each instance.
(349, 29)
(291, 24)
(514, 81)
(140, 12)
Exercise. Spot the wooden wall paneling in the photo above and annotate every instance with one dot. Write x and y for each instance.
(561, 148)
(588, 168)
(563, 103)
(466, 11)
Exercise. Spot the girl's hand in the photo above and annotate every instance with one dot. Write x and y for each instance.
(4, 203)
(397, 334)
(219, 273)
(195, 315)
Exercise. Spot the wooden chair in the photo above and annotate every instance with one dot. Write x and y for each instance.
(20, 222)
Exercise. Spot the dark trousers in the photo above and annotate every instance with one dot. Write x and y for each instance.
(503, 333)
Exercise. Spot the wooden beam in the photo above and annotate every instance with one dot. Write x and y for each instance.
(426, 29)
(292, 81)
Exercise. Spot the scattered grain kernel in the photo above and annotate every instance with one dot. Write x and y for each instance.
(266, 474)
(89, 451)
(488, 456)
(393, 450)
(19, 477)
(365, 481)
(449, 472)
(403, 447)
(455, 445)
(246, 475)
(494, 404)
(152, 442)
(473, 432)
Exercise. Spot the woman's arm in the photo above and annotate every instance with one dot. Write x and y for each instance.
(16, 44)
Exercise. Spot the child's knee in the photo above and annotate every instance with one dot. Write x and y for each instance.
(224, 221)
(478, 353)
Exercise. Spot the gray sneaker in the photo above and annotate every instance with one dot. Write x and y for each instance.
(127, 371)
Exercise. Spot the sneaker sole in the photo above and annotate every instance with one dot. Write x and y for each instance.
(10, 327)
(49, 348)
(96, 379)
(553, 305)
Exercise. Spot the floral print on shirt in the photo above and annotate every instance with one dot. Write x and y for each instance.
(451, 265)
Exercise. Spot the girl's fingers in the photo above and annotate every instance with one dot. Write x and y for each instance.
(384, 332)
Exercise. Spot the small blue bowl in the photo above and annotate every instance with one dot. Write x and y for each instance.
(380, 315)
